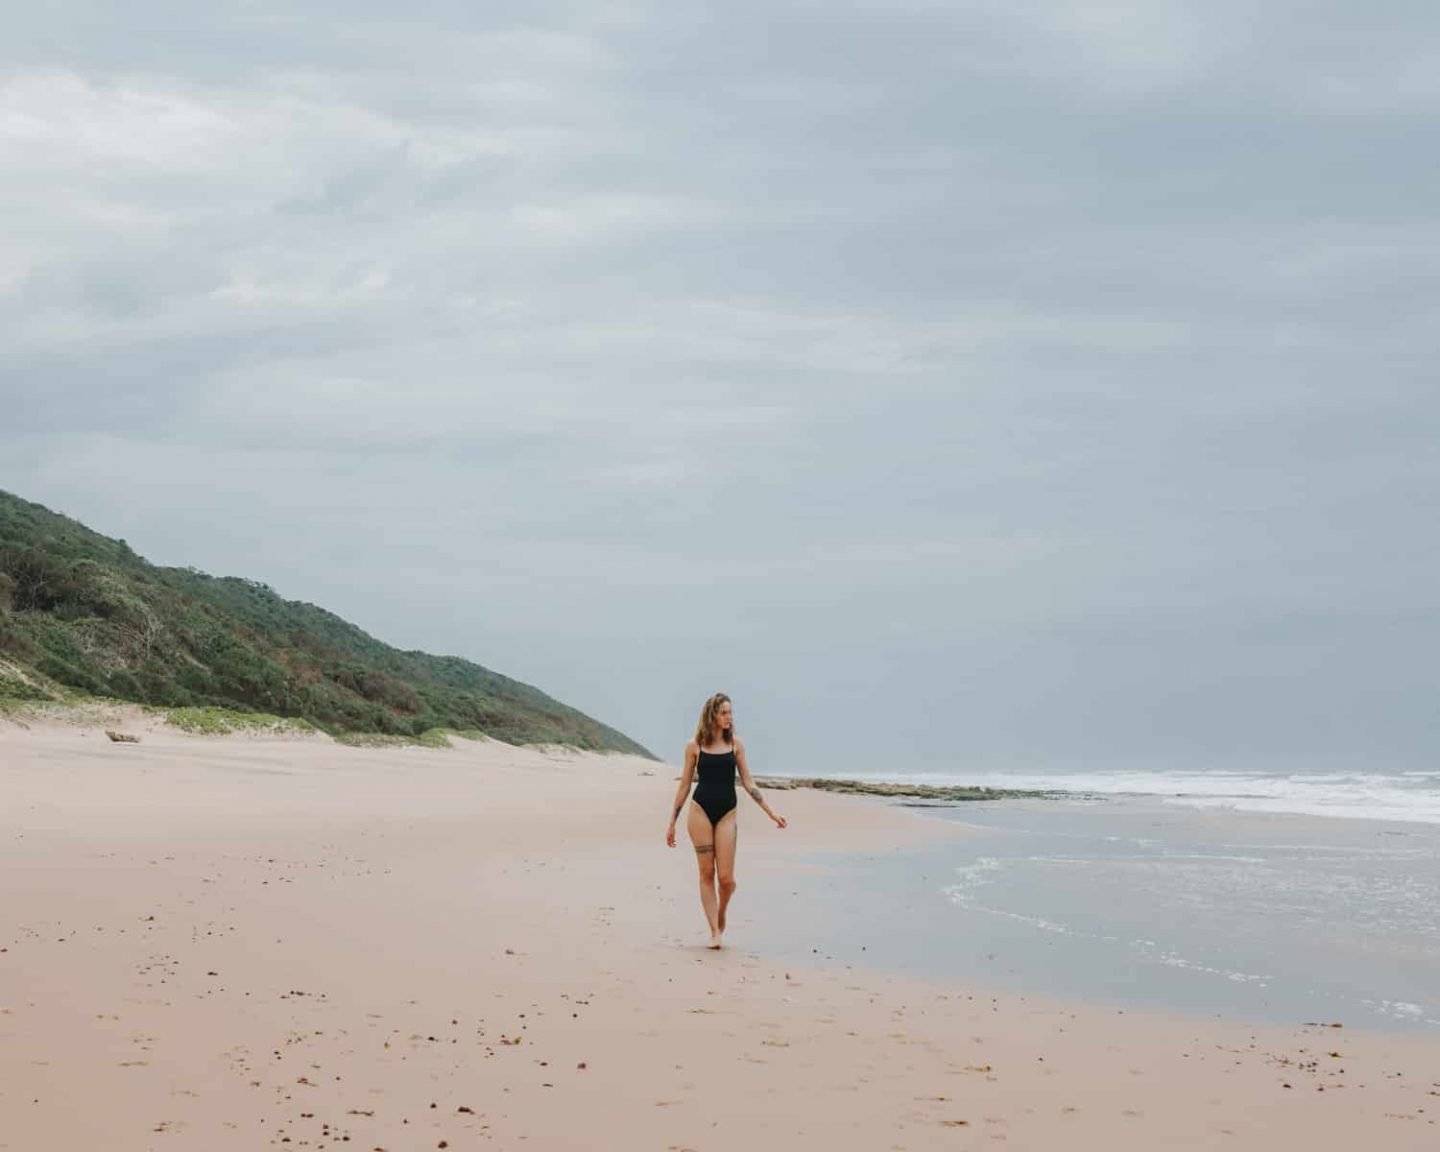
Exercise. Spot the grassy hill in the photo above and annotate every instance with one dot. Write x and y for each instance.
(82, 611)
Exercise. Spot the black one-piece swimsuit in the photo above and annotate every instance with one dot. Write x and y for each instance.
(715, 793)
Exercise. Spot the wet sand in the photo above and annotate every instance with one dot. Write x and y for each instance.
(249, 942)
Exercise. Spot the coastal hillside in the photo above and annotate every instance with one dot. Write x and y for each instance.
(80, 612)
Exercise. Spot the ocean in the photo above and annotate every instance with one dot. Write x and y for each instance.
(1289, 898)
(1407, 796)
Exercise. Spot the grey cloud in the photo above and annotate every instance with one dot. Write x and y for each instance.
(1056, 374)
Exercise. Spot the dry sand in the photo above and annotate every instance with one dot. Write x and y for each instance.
(240, 943)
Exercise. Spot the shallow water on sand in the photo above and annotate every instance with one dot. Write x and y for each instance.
(1130, 901)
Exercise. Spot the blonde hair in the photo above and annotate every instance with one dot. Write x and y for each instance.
(707, 729)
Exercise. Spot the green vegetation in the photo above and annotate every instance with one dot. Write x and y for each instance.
(435, 738)
(16, 688)
(222, 721)
(87, 614)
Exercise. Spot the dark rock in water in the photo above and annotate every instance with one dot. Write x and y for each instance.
(919, 791)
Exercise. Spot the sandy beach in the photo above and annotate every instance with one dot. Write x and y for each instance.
(247, 942)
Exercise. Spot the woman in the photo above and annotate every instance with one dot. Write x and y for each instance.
(717, 753)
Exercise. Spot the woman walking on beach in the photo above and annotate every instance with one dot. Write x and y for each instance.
(717, 754)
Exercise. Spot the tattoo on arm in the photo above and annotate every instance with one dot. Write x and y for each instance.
(754, 793)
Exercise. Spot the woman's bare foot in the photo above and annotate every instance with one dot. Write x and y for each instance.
(715, 938)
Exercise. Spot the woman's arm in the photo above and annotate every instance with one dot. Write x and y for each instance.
(687, 774)
(751, 787)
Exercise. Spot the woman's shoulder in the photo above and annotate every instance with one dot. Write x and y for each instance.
(738, 744)
(692, 746)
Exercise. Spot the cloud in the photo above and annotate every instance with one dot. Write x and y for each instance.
(959, 365)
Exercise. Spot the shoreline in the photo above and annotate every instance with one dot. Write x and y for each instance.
(1077, 902)
(232, 943)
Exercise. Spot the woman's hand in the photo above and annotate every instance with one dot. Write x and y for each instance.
(780, 821)
(670, 835)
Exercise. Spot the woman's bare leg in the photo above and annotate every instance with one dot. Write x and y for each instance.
(703, 837)
(725, 837)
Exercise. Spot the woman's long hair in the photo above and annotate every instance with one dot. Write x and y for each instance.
(708, 728)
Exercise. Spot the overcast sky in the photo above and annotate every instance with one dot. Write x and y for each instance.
(1002, 384)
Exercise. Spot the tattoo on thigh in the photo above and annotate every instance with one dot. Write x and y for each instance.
(701, 849)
